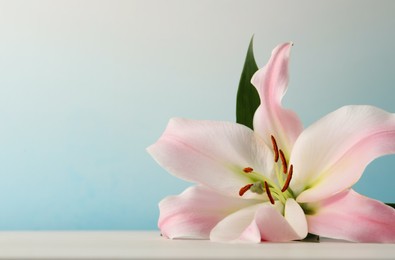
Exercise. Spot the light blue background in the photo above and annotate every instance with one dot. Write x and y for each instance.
(86, 86)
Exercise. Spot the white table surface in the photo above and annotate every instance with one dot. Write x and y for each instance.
(150, 245)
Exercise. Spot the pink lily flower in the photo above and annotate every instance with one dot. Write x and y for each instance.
(278, 182)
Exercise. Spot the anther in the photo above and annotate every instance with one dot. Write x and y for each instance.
(245, 189)
(248, 170)
(269, 194)
(275, 148)
(283, 161)
(288, 180)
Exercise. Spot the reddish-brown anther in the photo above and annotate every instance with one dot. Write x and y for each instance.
(269, 194)
(275, 148)
(288, 180)
(245, 189)
(248, 170)
(283, 161)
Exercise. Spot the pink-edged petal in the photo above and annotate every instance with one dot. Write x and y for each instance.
(238, 227)
(213, 154)
(194, 213)
(331, 155)
(271, 118)
(262, 222)
(296, 218)
(351, 216)
(274, 227)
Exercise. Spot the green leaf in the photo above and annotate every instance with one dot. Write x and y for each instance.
(247, 96)
(311, 238)
(391, 205)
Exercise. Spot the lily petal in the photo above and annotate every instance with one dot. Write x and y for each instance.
(194, 213)
(274, 227)
(238, 227)
(351, 216)
(271, 118)
(296, 218)
(331, 155)
(262, 222)
(213, 154)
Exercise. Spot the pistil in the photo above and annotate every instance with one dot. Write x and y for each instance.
(262, 184)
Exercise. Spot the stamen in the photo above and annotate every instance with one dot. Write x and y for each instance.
(288, 180)
(283, 161)
(245, 189)
(269, 194)
(248, 170)
(275, 148)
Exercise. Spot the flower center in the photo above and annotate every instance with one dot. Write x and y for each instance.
(274, 190)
